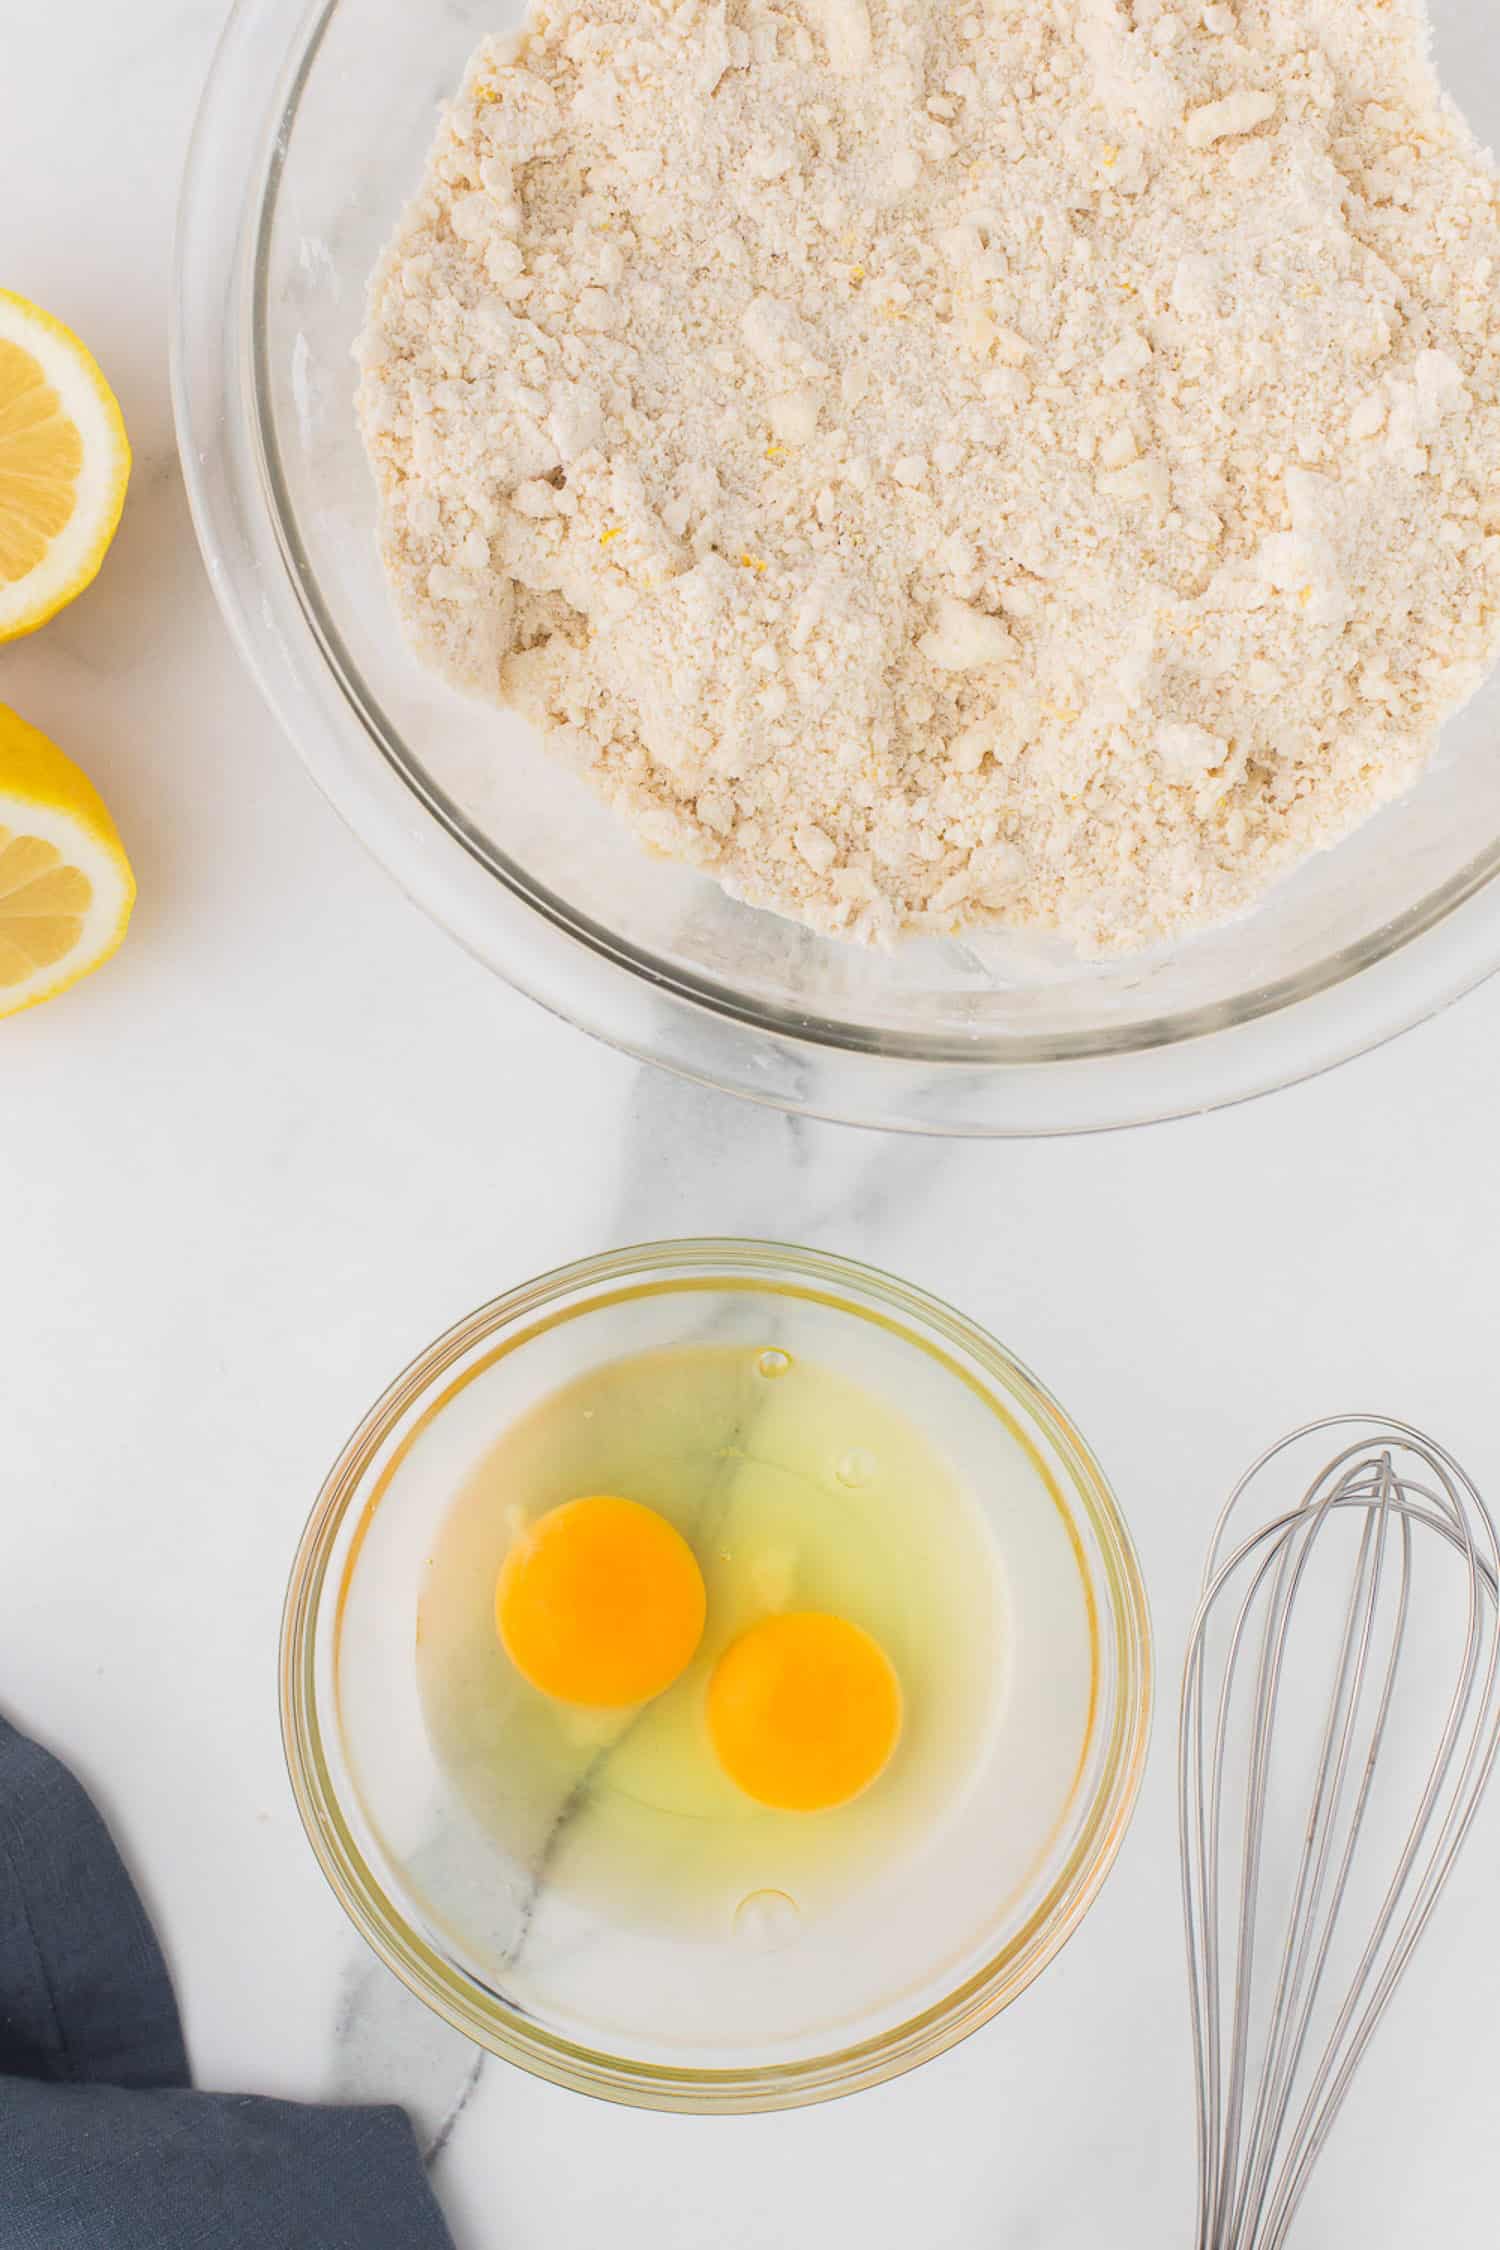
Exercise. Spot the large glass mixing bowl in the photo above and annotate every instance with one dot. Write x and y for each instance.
(312, 134)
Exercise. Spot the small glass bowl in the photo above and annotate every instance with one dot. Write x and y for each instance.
(920, 1954)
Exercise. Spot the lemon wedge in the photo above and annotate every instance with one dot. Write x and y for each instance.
(66, 888)
(64, 465)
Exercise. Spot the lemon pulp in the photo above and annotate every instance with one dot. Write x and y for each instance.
(64, 466)
(41, 455)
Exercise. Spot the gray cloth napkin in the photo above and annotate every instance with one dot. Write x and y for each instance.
(103, 2145)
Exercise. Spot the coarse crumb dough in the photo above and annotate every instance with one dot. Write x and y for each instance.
(935, 467)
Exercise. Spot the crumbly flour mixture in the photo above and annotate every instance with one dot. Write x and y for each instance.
(934, 464)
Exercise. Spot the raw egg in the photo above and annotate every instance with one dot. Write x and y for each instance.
(804, 1711)
(600, 1602)
(803, 1495)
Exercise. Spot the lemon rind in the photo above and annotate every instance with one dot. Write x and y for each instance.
(108, 914)
(43, 793)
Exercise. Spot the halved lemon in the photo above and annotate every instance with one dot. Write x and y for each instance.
(66, 888)
(64, 466)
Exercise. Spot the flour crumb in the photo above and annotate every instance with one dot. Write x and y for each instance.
(1030, 467)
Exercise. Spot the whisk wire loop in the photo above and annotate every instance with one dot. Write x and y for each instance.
(1270, 2078)
(1308, 1940)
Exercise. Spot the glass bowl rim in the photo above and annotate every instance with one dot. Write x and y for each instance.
(1163, 1065)
(1106, 1808)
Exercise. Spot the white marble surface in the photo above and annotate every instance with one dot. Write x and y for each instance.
(293, 1131)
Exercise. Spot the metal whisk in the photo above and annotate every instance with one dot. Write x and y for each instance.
(1284, 1997)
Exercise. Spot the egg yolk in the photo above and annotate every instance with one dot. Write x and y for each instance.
(804, 1711)
(600, 1602)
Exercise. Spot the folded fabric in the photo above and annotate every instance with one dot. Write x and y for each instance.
(103, 2144)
